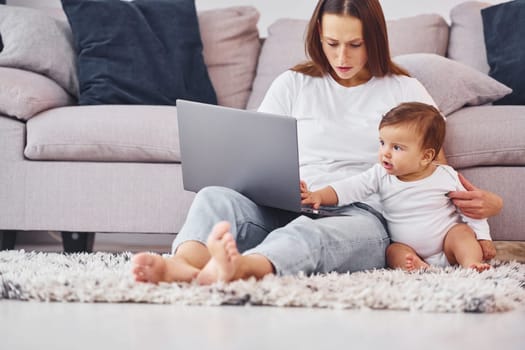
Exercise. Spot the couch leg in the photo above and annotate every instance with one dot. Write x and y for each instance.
(76, 242)
(7, 239)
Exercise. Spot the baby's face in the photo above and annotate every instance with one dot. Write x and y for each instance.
(400, 152)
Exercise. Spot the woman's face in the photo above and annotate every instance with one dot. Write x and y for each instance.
(345, 49)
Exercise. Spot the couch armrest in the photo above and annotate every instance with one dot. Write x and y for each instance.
(12, 139)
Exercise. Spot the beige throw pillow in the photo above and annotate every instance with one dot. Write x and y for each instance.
(231, 45)
(24, 94)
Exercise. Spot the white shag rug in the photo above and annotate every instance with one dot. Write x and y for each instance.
(105, 277)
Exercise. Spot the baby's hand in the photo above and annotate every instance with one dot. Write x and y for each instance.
(303, 186)
(310, 198)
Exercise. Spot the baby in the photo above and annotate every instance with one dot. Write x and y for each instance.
(424, 225)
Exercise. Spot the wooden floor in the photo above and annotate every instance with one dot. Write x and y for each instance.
(33, 325)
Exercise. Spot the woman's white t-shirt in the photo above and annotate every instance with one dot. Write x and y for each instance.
(337, 126)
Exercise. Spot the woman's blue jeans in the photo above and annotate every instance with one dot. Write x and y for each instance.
(292, 242)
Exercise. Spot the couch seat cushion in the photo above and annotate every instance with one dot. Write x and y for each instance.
(126, 133)
(486, 136)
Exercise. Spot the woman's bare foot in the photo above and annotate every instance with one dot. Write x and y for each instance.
(414, 262)
(154, 268)
(479, 266)
(224, 261)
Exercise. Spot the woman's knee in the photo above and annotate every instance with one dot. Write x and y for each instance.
(218, 199)
(213, 193)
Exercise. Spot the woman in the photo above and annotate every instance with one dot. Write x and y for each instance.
(338, 98)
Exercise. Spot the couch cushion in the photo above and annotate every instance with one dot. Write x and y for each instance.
(432, 35)
(231, 49)
(24, 93)
(486, 136)
(105, 133)
(138, 52)
(467, 44)
(451, 84)
(504, 28)
(284, 46)
(36, 42)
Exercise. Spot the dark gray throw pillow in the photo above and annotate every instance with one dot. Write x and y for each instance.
(138, 52)
(504, 30)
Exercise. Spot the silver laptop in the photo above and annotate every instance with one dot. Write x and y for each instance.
(253, 153)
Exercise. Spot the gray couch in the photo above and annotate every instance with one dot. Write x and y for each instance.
(87, 169)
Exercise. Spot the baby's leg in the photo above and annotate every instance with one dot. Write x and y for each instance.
(402, 256)
(461, 247)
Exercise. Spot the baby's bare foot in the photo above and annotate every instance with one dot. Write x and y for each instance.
(224, 256)
(414, 262)
(479, 266)
(154, 268)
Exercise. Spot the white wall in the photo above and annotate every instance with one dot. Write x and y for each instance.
(272, 9)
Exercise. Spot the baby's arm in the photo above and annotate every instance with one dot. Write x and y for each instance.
(324, 196)
(349, 190)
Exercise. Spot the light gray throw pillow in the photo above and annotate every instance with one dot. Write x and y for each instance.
(451, 84)
(24, 94)
(39, 43)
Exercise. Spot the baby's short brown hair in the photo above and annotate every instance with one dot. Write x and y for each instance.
(424, 119)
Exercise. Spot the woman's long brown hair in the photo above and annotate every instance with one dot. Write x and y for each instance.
(374, 34)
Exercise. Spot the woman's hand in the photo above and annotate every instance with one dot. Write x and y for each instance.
(474, 202)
